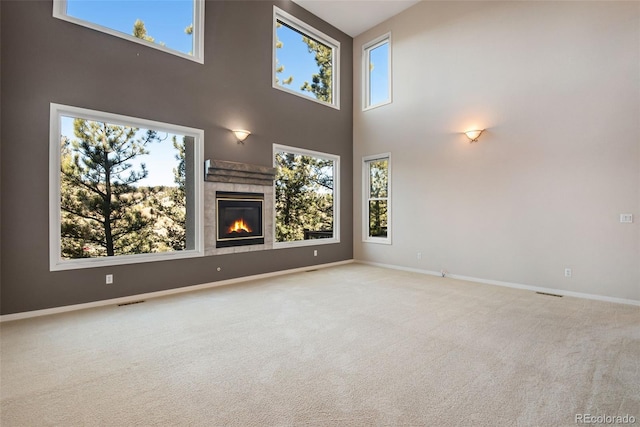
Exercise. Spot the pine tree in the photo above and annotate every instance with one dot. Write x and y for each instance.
(280, 67)
(304, 196)
(321, 83)
(378, 182)
(102, 209)
(140, 31)
(172, 207)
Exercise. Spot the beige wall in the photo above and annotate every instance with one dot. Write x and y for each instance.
(556, 85)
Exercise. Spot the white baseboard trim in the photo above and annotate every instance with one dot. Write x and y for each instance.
(508, 284)
(138, 297)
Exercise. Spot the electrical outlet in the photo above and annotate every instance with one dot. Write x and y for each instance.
(419, 255)
(626, 218)
(315, 252)
(108, 279)
(567, 272)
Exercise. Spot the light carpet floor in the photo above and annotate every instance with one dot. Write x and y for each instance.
(353, 345)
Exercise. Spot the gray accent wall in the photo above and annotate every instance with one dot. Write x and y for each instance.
(48, 60)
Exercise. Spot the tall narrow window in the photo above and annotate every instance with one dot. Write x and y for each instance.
(305, 61)
(123, 190)
(377, 72)
(377, 197)
(174, 26)
(306, 197)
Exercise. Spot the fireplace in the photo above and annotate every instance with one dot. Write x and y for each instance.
(240, 219)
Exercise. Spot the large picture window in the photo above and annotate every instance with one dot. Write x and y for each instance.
(376, 68)
(122, 190)
(174, 26)
(305, 61)
(306, 197)
(377, 198)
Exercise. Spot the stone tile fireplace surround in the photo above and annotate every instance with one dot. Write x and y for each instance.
(242, 178)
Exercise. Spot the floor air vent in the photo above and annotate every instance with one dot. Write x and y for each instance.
(550, 295)
(130, 303)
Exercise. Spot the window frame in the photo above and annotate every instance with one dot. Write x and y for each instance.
(56, 262)
(336, 197)
(366, 77)
(308, 30)
(366, 160)
(60, 12)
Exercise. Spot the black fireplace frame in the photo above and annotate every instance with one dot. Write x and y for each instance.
(239, 197)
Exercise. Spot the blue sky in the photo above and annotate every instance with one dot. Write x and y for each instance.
(160, 162)
(164, 20)
(296, 58)
(379, 76)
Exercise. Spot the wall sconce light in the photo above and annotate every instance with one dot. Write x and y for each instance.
(473, 135)
(241, 135)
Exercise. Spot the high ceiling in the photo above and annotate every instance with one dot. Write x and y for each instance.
(355, 16)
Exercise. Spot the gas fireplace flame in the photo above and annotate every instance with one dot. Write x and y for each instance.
(239, 226)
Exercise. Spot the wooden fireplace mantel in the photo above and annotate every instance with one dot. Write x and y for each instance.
(239, 173)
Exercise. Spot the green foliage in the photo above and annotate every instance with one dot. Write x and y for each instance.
(172, 207)
(378, 218)
(304, 196)
(378, 194)
(321, 82)
(100, 204)
(379, 178)
(280, 67)
(140, 31)
(103, 210)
